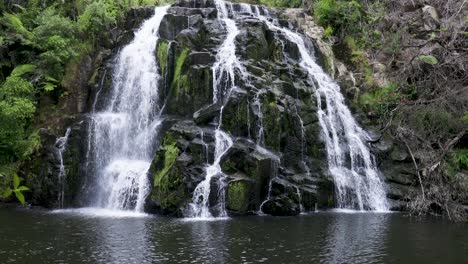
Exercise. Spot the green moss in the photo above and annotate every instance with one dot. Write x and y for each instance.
(328, 64)
(162, 55)
(229, 167)
(235, 118)
(180, 80)
(161, 178)
(168, 192)
(239, 196)
(271, 123)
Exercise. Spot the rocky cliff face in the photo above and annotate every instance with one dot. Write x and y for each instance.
(271, 114)
(277, 163)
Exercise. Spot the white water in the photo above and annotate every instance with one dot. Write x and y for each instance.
(122, 136)
(358, 184)
(96, 212)
(224, 71)
(61, 144)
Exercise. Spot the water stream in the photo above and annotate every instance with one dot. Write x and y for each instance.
(358, 183)
(122, 135)
(61, 145)
(224, 75)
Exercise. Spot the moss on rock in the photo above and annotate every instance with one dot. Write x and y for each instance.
(238, 196)
(180, 79)
(162, 52)
(169, 190)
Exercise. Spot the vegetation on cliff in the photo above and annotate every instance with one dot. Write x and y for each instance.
(421, 49)
(40, 42)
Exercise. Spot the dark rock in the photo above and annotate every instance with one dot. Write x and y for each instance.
(135, 17)
(208, 12)
(171, 25)
(207, 114)
(400, 192)
(399, 154)
(195, 4)
(280, 206)
(240, 195)
(204, 58)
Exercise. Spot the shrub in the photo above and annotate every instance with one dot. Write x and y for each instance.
(96, 19)
(343, 16)
(54, 36)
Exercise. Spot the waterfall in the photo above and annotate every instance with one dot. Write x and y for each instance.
(352, 166)
(122, 135)
(61, 144)
(224, 71)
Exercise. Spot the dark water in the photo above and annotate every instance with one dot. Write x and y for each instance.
(31, 236)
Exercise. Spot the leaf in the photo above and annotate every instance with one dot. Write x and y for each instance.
(7, 193)
(23, 69)
(22, 188)
(429, 59)
(20, 197)
(49, 87)
(16, 181)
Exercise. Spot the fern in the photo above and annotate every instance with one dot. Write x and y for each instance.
(15, 26)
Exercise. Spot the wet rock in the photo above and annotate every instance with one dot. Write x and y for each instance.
(207, 114)
(195, 4)
(171, 25)
(207, 12)
(239, 195)
(135, 17)
(280, 206)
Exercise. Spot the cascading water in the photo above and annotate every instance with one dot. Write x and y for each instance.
(122, 135)
(358, 183)
(61, 144)
(224, 72)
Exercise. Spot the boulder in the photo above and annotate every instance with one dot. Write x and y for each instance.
(280, 206)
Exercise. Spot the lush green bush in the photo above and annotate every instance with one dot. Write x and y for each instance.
(460, 159)
(17, 108)
(54, 36)
(17, 190)
(96, 20)
(339, 16)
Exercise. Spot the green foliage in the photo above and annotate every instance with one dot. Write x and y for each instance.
(433, 123)
(340, 15)
(15, 29)
(55, 37)
(457, 162)
(17, 190)
(460, 159)
(96, 19)
(429, 59)
(281, 3)
(381, 100)
(393, 44)
(328, 32)
(16, 109)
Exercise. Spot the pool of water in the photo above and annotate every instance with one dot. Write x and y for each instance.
(91, 236)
